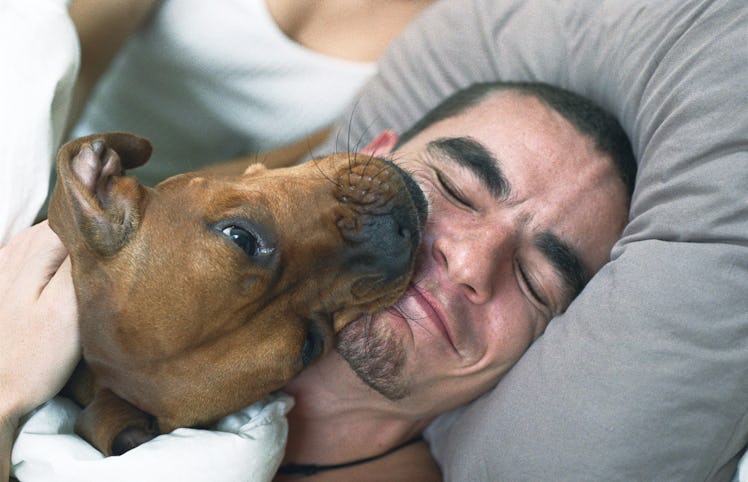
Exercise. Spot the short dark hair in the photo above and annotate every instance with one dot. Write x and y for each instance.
(588, 118)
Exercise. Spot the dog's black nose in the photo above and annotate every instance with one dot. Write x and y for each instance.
(384, 244)
(383, 213)
(391, 242)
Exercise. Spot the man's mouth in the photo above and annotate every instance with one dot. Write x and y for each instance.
(431, 312)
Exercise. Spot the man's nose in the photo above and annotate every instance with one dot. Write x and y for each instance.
(475, 263)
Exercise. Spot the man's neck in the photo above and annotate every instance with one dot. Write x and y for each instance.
(338, 419)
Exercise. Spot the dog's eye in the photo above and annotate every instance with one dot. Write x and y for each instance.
(313, 346)
(243, 238)
(249, 242)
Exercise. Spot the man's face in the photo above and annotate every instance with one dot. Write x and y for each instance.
(522, 211)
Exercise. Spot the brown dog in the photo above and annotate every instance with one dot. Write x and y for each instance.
(204, 294)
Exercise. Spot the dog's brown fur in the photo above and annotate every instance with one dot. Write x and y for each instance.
(179, 324)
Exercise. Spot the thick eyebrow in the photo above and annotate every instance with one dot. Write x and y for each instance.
(566, 261)
(472, 155)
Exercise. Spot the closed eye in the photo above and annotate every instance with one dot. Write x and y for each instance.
(452, 191)
(528, 283)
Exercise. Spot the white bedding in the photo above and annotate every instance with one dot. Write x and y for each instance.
(742, 473)
(39, 52)
(245, 446)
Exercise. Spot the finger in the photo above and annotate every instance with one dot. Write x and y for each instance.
(57, 306)
(32, 258)
(51, 249)
(60, 288)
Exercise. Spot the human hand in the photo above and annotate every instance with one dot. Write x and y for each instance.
(38, 321)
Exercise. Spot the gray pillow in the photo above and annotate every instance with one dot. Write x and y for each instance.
(646, 375)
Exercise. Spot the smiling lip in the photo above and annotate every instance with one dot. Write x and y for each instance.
(432, 313)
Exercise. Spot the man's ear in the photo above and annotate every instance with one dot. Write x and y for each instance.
(382, 145)
(94, 204)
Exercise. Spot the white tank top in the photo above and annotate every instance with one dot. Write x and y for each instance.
(210, 81)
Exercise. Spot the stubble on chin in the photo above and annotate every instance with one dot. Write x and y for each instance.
(376, 355)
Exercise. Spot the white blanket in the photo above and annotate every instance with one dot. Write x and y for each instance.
(742, 474)
(39, 55)
(245, 446)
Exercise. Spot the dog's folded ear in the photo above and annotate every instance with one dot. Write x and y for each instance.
(94, 201)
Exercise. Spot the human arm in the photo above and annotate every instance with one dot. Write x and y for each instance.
(38, 321)
(7, 428)
(103, 28)
(282, 157)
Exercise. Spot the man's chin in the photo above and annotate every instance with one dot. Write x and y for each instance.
(376, 355)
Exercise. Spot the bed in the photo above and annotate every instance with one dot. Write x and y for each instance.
(645, 377)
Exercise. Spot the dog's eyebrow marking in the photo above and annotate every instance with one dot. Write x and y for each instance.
(474, 156)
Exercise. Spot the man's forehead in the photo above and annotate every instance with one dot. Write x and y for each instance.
(506, 115)
(572, 189)
(508, 105)
(544, 156)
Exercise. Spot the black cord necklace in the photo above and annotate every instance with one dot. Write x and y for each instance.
(311, 469)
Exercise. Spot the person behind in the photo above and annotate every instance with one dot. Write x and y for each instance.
(225, 79)
(528, 189)
(203, 81)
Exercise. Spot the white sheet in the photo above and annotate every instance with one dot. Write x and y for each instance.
(40, 56)
(742, 474)
(246, 446)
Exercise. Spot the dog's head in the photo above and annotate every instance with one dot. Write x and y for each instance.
(226, 283)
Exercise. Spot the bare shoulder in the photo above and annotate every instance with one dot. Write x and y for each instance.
(413, 463)
(108, 22)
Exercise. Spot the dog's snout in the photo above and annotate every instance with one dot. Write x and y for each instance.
(381, 221)
(383, 244)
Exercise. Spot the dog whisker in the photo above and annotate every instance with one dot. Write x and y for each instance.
(350, 125)
(310, 150)
(366, 132)
(324, 174)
